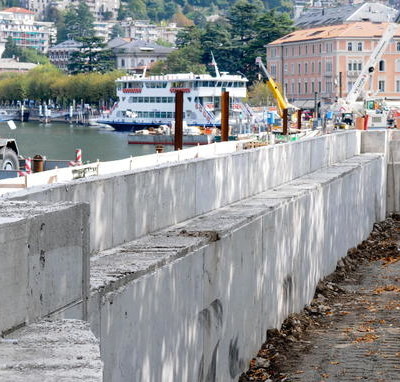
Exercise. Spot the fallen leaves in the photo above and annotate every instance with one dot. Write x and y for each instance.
(390, 260)
(366, 338)
(386, 288)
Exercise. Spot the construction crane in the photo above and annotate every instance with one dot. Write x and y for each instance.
(281, 101)
(369, 67)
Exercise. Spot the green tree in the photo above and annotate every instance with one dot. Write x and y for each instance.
(91, 57)
(11, 50)
(78, 22)
(117, 31)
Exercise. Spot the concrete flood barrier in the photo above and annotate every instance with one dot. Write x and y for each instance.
(192, 262)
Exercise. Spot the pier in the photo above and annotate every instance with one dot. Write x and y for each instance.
(172, 267)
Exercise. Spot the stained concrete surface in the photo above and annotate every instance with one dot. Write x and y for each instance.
(351, 330)
(51, 351)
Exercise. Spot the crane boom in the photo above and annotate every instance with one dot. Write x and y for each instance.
(370, 65)
(273, 87)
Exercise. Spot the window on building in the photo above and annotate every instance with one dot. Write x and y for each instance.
(285, 68)
(381, 86)
(320, 48)
(328, 86)
(359, 66)
(349, 66)
(299, 69)
(306, 68)
(328, 67)
(319, 67)
(398, 46)
(312, 87)
(397, 65)
(355, 66)
(313, 48)
(286, 88)
(305, 88)
(359, 46)
(319, 87)
(349, 46)
(299, 88)
(292, 69)
(122, 63)
(292, 87)
(306, 49)
(381, 66)
(312, 67)
(293, 51)
(398, 86)
(273, 70)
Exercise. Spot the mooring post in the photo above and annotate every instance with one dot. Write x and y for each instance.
(224, 115)
(285, 121)
(299, 118)
(178, 141)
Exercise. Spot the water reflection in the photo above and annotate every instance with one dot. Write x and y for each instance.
(59, 141)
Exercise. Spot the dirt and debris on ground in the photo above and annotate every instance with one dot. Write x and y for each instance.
(351, 330)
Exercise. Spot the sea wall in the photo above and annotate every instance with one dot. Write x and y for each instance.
(127, 205)
(193, 261)
(193, 303)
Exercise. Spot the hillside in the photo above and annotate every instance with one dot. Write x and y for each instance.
(197, 10)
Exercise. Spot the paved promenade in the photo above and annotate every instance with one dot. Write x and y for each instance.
(351, 330)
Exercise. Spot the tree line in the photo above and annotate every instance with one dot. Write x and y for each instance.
(235, 40)
(46, 82)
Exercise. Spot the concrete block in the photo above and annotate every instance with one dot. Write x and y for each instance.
(45, 260)
(61, 350)
(374, 141)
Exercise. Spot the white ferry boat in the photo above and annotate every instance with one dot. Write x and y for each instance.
(150, 101)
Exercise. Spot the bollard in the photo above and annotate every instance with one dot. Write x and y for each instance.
(38, 163)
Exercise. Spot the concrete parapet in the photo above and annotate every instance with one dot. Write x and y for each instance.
(44, 258)
(193, 302)
(64, 350)
(127, 205)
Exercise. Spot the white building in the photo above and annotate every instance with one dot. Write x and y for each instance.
(99, 8)
(145, 31)
(20, 25)
(134, 56)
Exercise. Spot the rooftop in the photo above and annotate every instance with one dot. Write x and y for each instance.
(353, 30)
(374, 12)
(18, 10)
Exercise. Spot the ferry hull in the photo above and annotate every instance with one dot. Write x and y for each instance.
(188, 140)
(135, 126)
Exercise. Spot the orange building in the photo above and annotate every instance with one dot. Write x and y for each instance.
(323, 63)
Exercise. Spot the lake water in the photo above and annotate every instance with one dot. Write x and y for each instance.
(59, 141)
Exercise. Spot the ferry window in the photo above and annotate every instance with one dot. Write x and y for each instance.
(163, 114)
(146, 99)
(158, 99)
(140, 115)
(171, 100)
(151, 114)
(177, 84)
(164, 99)
(136, 84)
(169, 114)
(152, 99)
(230, 84)
(130, 99)
(140, 99)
